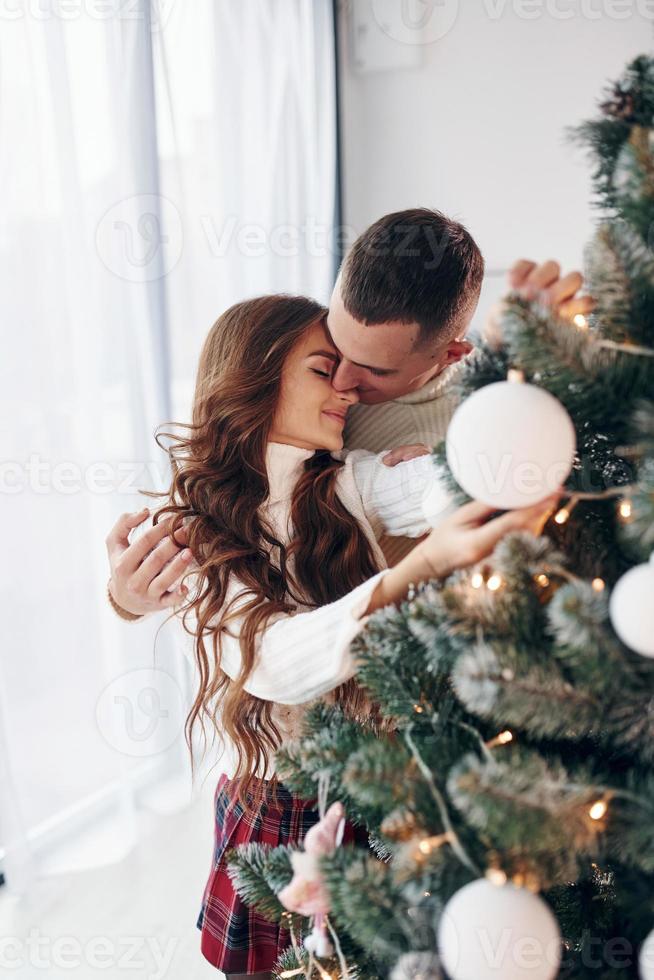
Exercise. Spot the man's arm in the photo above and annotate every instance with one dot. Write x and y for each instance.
(144, 573)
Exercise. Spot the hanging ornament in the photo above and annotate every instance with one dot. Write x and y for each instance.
(510, 444)
(498, 932)
(631, 608)
(646, 958)
(306, 892)
(417, 966)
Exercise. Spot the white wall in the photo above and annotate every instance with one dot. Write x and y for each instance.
(476, 128)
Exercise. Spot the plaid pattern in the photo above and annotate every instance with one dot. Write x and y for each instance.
(234, 937)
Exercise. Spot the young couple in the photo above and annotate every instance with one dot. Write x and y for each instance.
(286, 541)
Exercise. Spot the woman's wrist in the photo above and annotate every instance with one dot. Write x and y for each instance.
(432, 567)
(393, 587)
(123, 613)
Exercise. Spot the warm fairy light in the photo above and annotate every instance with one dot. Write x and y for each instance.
(543, 580)
(597, 810)
(580, 320)
(494, 582)
(598, 584)
(477, 580)
(502, 739)
(427, 894)
(562, 515)
(292, 973)
(418, 708)
(515, 376)
(625, 509)
(496, 876)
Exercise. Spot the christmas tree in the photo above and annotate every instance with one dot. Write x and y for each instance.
(509, 796)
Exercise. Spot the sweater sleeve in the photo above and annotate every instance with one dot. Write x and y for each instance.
(304, 655)
(406, 500)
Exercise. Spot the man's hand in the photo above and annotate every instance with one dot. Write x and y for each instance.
(545, 284)
(403, 453)
(142, 572)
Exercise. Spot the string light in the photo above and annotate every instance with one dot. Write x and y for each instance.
(543, 580)
(580, 321)
(562, 515)
(496, 876)
(598, 584)
(477, 580)
(625, 510)
(418, 708)
(598, 810)
(494, 582)
(502, 739)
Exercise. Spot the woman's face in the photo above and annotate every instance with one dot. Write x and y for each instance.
(310, 414)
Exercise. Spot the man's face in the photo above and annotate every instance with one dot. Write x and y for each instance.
(382, 361)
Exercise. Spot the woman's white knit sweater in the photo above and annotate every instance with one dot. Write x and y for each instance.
(304, 656)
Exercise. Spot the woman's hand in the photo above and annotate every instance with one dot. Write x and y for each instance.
(462, 539)
(468, 535)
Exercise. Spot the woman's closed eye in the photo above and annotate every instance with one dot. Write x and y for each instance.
(323, 374)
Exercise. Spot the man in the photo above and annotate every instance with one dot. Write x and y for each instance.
(399, 312)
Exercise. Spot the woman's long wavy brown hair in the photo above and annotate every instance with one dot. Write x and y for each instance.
(218, 485)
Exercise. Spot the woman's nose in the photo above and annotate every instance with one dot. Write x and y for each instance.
(351, 396)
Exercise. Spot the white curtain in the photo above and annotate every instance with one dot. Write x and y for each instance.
(156, 165)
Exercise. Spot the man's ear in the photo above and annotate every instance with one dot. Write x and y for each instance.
(456, 350)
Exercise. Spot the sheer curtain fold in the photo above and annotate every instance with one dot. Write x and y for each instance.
(137, 157)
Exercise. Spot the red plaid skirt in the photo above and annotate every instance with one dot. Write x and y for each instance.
(234, 937)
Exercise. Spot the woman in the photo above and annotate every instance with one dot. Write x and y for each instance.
(283, 533)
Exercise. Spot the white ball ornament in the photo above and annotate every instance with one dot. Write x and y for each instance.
(646, 958)
(510, 444)
(631, 608)
(498, 932)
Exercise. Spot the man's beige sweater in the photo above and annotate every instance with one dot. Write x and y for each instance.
(422, 416)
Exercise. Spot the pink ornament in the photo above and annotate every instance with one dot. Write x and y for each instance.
(306, 893)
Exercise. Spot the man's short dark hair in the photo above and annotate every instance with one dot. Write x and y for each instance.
(412, 266)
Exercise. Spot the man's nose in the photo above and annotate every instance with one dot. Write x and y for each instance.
(345, 377)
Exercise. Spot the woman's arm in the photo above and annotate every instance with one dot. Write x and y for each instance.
(461, 540)
(302, 656)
